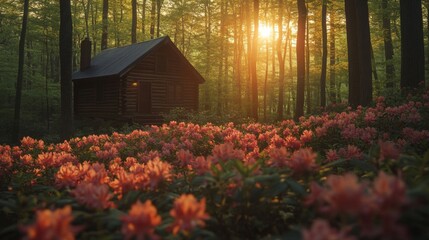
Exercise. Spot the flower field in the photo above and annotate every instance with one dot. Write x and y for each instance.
(358, 174)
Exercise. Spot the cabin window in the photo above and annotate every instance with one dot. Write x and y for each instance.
(161, 63)
(174, 93)
(99, 91)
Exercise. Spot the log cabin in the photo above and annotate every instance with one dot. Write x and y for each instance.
(135, 83)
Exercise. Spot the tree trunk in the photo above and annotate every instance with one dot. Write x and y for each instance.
(412, 47)
(158, 14)
(324, 56)
(280, 58)
(17, 116)
(105, 20)
(134, 21)
(254, 59)
(374, 73)
(152, 20)
(144, 20)
(359, 52)
(332, 60)
(307, 65)
(388, 46)
(300, 58)
(220, 69)
(66, 70)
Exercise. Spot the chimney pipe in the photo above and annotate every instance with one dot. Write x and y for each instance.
(85, 54)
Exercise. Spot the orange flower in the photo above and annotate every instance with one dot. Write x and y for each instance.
(51, 225)
(123, 183)
(157, 172)
(141, 221)
(67, 176)
(188, 214)
(91, 195)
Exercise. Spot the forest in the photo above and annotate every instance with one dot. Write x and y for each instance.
(218, 38)
(312, 122)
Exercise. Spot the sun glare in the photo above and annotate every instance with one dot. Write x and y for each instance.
(264, 31)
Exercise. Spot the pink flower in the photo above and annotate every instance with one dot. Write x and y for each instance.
(279, 157)
(320, 230)
(388, 150)
(332, 155)
(306, 136)
(225, 152)
(302, 161)
(345, 195)
(95, 196)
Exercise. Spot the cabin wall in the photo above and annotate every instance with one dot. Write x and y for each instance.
(172, 85)
(98, 98)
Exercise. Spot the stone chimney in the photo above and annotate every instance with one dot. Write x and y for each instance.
(85, 54)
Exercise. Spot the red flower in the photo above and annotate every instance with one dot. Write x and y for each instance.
(188, 214)
(141, 221)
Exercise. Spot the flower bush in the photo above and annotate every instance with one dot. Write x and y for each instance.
(356, 174)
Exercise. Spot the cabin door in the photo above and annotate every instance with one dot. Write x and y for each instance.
(145, 98)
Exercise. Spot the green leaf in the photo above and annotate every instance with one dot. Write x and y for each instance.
(296, 187)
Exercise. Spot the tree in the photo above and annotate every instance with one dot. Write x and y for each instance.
(19, 80)
(280, 58)
(332, 59)
(359, 52)
(66, 69)
(104, 34)
(158, 15)
(388, 46)
(324, 56)
(134, 21)
(253, 57)
(300, 58)
(152, 19)
(412, 48)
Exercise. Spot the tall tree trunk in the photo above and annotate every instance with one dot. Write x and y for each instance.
(359, 52)
(324, 56)
(254, 59)
(412, 47)
(249, 58)
(144, 20)
(388, 46)
(207, 29)
(280, 58)
(300, 59)
(332, 60)
(266, 80)
(86, 15)
(307, 65)
(134, 21)
(66, 69)
(152, 19)
(220, 70)
(238, 41)
(105, 20)
(17, 116)
(158, 14)
(374, 73)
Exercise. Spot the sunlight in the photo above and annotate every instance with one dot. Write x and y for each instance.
(265, 31)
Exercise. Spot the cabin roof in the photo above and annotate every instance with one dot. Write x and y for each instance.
(118, 61)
